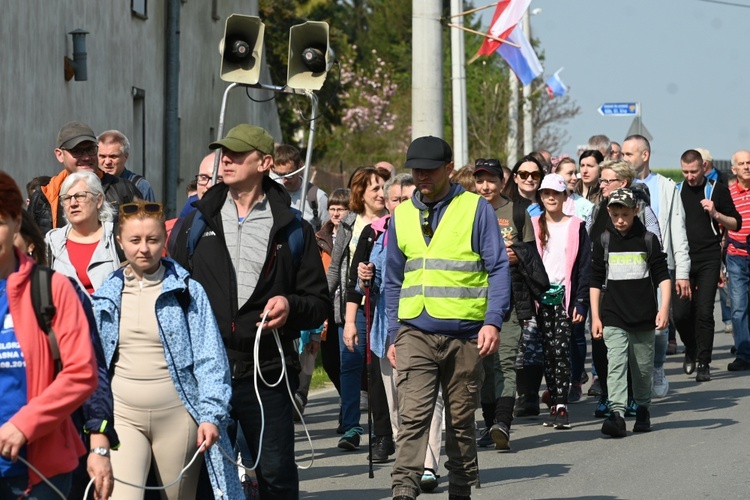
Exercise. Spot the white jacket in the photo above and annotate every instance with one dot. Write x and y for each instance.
(672, 224)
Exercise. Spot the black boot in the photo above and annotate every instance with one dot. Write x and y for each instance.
(504, 411)
(500, 432)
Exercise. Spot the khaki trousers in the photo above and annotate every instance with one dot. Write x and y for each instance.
(426, 363)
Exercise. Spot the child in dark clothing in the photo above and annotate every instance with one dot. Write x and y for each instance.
(629, 269)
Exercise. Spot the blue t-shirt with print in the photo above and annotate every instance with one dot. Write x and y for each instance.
(12, 379)
(652, 181)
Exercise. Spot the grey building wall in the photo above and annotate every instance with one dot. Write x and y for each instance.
(125, 52)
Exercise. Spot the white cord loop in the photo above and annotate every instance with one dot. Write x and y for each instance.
(256, 375)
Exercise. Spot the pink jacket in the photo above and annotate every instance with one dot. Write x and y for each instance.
(571, 253)
(53, 444)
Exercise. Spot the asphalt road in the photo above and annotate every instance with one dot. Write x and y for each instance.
(699, 448)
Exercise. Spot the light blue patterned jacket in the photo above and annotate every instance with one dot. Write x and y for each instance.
(195, 355)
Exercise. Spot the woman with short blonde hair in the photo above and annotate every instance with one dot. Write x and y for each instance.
(85, 248)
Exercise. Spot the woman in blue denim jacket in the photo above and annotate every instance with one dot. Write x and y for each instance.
(169, 370)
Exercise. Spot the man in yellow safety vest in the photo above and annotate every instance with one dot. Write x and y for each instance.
(447, 290)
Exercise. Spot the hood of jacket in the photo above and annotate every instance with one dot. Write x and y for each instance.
(57, 237)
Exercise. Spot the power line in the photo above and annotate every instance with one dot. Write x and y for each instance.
(720, 2)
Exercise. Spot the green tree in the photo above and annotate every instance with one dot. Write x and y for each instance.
(365, 105)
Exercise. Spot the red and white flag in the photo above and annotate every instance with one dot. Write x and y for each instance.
(508, 14)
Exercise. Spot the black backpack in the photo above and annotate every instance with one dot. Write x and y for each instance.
(45, 309)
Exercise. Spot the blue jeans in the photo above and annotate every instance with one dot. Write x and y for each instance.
(351, 374)
(12, 488)
(661, 339)
(726, 311)
(277, 471)
(738, 269)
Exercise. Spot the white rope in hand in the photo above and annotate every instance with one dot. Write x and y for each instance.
(256, 374)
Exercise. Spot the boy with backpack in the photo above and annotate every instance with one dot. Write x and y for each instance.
(628, 266)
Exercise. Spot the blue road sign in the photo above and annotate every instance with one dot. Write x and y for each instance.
(618, 109)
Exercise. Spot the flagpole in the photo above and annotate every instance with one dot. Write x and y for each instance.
(471, 11)
(528, 126)
(483, 34)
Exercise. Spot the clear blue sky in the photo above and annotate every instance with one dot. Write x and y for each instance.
(685, 61)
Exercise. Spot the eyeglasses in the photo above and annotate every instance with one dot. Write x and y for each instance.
(523, 174)
(77, 153)
(128, 209)
(79, 197)
(203, 179)
(426, 227)
(607, 182)
(492, 163)
(337, 210)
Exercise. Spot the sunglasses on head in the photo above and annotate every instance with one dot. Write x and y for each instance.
(146, 208)
(523, 174)
(491, 162)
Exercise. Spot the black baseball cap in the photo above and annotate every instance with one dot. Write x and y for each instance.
(491, 165)
(74, 133)
(428, 153)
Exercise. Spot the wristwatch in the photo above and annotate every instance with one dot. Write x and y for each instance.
(100, 451)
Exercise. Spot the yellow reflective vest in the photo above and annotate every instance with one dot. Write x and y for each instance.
(446, 278)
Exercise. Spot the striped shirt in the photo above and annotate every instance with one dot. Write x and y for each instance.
(741, 199)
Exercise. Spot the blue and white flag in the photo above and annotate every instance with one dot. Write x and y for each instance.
(555, 86)
(524, 62)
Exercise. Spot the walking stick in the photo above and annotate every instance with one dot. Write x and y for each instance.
(368, 326)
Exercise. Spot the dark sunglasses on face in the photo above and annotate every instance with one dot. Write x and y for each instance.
(523, 174)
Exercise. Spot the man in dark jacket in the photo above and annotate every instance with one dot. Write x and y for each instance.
(76, 150)
(252, 262)
(708, 208)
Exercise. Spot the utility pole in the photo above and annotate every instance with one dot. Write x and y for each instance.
(458, 90)
(426, 69)
(512, 141)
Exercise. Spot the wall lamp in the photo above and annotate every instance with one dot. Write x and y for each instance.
(77, 66)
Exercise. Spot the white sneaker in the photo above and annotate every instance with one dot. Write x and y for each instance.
(728, 327)
(661, 384)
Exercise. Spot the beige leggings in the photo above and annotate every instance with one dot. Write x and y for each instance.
(165, 431)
